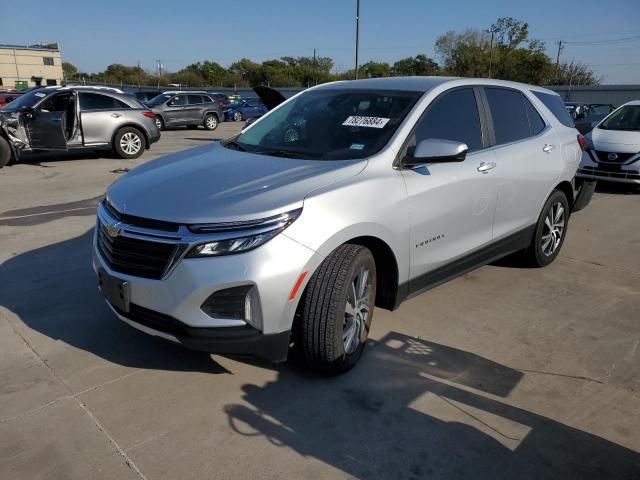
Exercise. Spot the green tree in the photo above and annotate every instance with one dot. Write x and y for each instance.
(418, 65)
(572, 73)
(69, 70)
(373, 69)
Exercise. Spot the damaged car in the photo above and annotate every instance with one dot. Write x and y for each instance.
(69, 118)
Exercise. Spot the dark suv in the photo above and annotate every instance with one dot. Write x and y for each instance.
(191, 109)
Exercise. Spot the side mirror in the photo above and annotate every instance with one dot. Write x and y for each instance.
(436, 150)
(30, 112)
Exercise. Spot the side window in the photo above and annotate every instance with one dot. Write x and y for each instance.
(194, 99)
(207, 99)
(536, 123)
(509, 115)
(56, 103)
(452, 116)
(177, 101)
(554, 103)
(96, 101)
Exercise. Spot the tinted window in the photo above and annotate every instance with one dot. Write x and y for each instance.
(625, 118)
(554, 104)
(194, 99)
(96, 101)
(178, 100)
(207, 99)
(56, 103)
(254, 103)
(453, 116)
(509, 115)
(536, 123)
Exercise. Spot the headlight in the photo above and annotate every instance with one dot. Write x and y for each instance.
(238, 237)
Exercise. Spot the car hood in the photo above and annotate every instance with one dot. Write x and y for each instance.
(620, 141)
(215, 184)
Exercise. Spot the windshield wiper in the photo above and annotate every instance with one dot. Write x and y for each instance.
(274, 152)
(235, 145)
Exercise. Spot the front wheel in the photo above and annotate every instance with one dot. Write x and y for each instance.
(550, 232)
(237, 116)
(5, 152)
(210, 122)
(337, 309)
(129, 143)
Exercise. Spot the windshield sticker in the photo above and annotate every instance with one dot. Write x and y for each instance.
(40, 94)
(370, 122)
(357, 146)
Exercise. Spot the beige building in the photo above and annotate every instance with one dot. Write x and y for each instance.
(23, 66)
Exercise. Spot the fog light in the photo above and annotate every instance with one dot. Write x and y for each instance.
(235, 303)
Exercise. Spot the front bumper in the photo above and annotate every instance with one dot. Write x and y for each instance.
(592, 168)
(171, 307)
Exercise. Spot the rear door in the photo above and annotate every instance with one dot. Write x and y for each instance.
(528, 157)
(451, 204)
(100, 116)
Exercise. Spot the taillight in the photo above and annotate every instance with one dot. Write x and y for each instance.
(149, 114)
(583, 142)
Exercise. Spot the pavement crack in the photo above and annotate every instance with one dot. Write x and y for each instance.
(130, 463)
(598, 264)
(555, 374)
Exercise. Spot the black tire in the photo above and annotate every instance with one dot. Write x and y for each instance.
(132, 133)
(323, 317)
(538, 254)
(210, 121)
(5, 152)
(159, 122)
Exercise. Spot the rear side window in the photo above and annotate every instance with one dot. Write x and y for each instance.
(207, 99)
(177, 101)
(452, 116)
(96, 101)
(509, 114)
(536, 124)
(555, 106)
(194, 99)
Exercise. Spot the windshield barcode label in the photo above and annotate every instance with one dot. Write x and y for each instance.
(371, 122)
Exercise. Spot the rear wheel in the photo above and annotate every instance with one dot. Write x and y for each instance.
(237, 116)
(159, 122)
(129, 143)
(5, 152)
(210, 122)
(337, 309)
(550, 232)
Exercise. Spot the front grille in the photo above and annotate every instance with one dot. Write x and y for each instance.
(139, 221)
(131, 256)
(156, 320)
(604, 156)
(606, 171)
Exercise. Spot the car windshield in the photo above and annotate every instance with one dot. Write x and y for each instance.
(158, 100)
(625, 118)
(25, 101)
(329, 124)
(599, 110)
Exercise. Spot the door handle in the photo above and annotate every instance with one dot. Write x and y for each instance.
(484, 167)
(116, 115)
(548, 147)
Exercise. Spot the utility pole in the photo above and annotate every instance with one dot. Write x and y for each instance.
(560, 47)
(138, 72)
(357, 33)
(315, 81)
(159, 62)
(491, 53)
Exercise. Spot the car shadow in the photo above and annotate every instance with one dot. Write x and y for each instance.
(53, 290)
(617, 188)
(399, 414)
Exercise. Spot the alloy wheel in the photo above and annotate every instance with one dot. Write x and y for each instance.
(130, 143)
(212, 122)
(355, 327)
(554, 225)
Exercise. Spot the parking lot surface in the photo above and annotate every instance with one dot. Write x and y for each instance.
(502, 373)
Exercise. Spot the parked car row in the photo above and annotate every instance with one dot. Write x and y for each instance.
(586, 115)
(69, 118)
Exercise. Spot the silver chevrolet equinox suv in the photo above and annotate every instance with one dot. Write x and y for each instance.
(347, 196)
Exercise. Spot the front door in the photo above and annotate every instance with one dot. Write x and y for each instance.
(451, 204)
(46, 126)
(174, 111)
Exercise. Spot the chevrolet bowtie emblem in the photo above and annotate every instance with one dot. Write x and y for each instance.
(113, 231)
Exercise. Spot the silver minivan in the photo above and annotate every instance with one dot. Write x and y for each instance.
(348, 196)
(69, 118)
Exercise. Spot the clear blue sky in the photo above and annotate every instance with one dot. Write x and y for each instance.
(94, 34)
